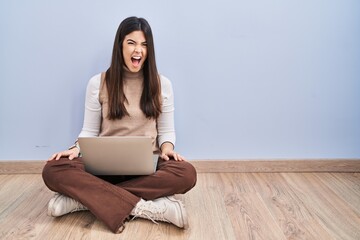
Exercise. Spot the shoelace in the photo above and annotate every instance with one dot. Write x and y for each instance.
(151, 212)
(79, 206)
(72, 202)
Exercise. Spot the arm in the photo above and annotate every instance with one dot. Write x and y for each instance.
(92, 114)
(165, 123)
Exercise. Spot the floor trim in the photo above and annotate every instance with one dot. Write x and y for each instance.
(215, 166)
(294, 165)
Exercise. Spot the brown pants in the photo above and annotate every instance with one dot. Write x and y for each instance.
(111, 198)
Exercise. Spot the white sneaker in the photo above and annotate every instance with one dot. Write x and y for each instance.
(60, 205)
(166, 209)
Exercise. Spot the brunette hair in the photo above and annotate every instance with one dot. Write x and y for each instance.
(150, 102)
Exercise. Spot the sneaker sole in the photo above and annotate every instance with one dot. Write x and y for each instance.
(183, 212)
(50, 209)
(52, 212)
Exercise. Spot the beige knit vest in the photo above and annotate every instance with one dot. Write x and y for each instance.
(136, 124)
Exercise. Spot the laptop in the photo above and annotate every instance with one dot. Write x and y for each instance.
(118, 155)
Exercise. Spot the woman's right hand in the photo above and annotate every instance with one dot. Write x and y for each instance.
(71, 154)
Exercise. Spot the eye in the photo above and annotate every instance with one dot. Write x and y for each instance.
(144, 44)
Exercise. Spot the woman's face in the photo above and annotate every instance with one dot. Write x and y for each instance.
(134, 50)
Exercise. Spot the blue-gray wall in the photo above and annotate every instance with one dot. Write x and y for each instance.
(252, 79)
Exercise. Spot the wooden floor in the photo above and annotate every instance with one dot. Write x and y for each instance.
(222, 206)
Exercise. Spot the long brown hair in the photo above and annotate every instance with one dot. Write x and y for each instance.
(150, 102)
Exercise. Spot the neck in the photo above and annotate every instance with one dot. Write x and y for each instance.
(133, 75)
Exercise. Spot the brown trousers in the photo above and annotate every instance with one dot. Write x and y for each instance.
(111, 198)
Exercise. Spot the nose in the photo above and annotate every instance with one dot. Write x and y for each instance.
(138, 50)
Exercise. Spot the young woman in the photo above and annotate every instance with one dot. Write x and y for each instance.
(129, 99)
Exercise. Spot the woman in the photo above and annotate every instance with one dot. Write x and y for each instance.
(130, 98)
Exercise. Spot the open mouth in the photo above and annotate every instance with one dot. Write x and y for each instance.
(136, 60)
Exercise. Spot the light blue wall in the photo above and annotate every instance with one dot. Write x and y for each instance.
(252, 79)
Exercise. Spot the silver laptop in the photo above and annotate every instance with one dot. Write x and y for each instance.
(118, 155)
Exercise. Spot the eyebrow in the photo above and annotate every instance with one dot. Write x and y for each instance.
(129, 39)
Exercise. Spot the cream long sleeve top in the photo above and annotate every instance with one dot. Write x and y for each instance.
(93, 117)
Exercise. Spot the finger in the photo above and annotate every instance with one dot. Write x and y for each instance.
(72, 156)
(178, 157)
(165, 157)
(58, 156)
(52, 157)
(61, 154)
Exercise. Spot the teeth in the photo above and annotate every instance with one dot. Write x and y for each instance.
(137, 58)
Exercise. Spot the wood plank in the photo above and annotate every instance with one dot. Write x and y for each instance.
(218, 166)
(352, 180)
(221, 206)
(328, 209)
(22, 217)
(349, 191)
(249, 216)
(207, 212)
(293, 217)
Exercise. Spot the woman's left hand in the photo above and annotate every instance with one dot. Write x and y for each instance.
(168, 152)
(172, 154)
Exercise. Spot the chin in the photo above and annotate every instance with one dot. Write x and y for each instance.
(133, 70)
